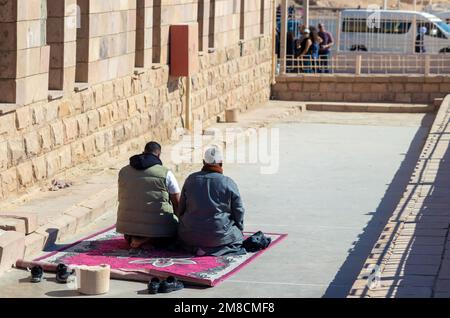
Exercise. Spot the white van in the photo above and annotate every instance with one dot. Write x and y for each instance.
(444, 16)
(441, 10)
(392, 31)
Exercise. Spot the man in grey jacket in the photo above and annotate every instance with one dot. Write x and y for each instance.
(211, 212)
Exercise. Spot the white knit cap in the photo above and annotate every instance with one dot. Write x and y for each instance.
(213, 155)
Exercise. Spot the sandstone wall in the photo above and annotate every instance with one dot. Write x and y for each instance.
(116, 112)
(362, 88)
(106, 41)
(24, 55)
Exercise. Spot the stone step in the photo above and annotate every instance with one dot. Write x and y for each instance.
(370, 107)
(12, 246)
(71, 219)
(28, 221)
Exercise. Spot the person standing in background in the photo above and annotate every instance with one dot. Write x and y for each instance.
(325, 47)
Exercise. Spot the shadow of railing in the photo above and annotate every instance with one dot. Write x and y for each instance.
(418, 250)
(351, 268)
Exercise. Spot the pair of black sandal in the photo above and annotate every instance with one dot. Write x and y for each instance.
(62, 274)
(170, 284)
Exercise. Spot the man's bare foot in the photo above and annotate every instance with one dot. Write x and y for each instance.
(137, 242)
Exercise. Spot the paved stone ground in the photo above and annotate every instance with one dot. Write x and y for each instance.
(338, 173)
(412, 256)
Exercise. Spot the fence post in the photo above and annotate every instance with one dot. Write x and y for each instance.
(358, 64)
(427, 69)
(306, 12)
(283, 35)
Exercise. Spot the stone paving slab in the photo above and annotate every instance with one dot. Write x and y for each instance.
(414, 261)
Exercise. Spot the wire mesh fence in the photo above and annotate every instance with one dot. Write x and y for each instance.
(391, 31)
(353, 63)
(370, 41)
(377, 31)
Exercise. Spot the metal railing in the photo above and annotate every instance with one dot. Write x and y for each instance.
(354, 63)
(382, 34)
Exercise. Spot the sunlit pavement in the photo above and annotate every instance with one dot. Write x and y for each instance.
(337, 176)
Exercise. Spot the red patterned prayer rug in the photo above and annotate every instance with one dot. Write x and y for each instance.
(109, 247)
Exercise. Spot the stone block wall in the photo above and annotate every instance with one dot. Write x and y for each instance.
(24, 55)
(226, 20)
(254, 15)
(116, 113)
(362, 88)
(227, 78)
(167, 12)
(106, 41)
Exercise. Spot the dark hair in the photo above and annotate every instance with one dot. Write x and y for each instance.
(314, 34)
(152, 147)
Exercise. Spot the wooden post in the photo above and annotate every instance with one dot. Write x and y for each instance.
(306, 12)
(274, 40)
(358, 65)
(427, 68)
(415, 30)
(337, 41)
(188, 108)
(283, 35)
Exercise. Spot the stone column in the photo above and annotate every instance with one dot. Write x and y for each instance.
(62, 23)
(212, 24)
(266, 16)
(144, 33)
(156, 39)
(306, 12)
(203, 24)
(225, 17)
(24, 55)
(250, 19)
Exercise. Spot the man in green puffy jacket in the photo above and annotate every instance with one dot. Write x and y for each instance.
(148, 196)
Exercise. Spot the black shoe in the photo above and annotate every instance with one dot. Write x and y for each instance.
(153, 285)
(62, 273)
(170, 284)
(256, 242)
(36, 274)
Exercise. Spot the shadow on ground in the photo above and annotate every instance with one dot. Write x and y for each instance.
(341, 284)
(418, 266)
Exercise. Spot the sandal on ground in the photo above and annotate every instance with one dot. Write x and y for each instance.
(36, 274)
(154, 285)
(62, 273)
(169, 285)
